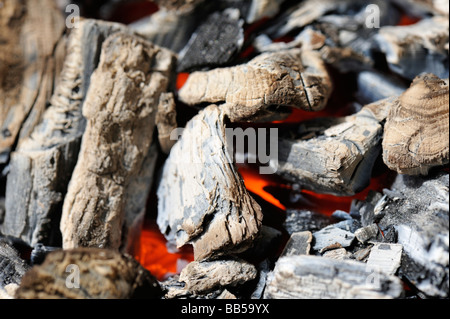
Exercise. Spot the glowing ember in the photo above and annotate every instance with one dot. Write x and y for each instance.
(181, 79)
(256, 184)
(154, 256)
(284, 195)
(408, 20)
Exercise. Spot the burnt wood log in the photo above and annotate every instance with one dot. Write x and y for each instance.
(206, 276)
(418, 48)
(337, 158)
(214, 43)
(42, 164)
(31, 51)
(120, 110)
(88, 273)
(202, 199)
(287, 78)
(313, 277)
(416, 132)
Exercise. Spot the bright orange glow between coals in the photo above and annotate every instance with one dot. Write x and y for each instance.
(181, 79)
(255, 183)
(154, 256)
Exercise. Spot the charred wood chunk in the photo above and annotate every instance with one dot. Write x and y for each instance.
(214, 43)
(386, 257)
(418, 48)
(42, 165)
(203, 277)
(260, 9)
(416, 131)
(423, 8)
(288, 78)
(30, 32)
(314, 277)
(120, 110)
(373, 86)
(202, 199)
(166, 121)
(299, 243)
(340, 158)
(167, 28)
(418, 210)
(12, 267)
(88, 273)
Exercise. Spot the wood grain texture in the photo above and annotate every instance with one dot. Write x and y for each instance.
(120, 110)
(314, 277)
(287, 78)
(29, 64)
(416, 132)
(334, 155)
(98, 273)
(42, 164)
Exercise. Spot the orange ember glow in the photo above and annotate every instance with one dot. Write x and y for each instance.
(279, 193)
(256, 184)
(181, 79)
(408, 20)
(154, 256)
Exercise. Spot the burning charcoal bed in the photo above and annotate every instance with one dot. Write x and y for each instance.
(254, 149)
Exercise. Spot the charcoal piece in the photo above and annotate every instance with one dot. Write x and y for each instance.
(294, 78)
(202, 200)
(169, 29)
(166, 121)
(314, 277)
(31, 53)
(12, 267)
(350, 225)
(298, 220)
(349, 14)
(366, 207)
(299, 243)
(416, 135)
(421, 220)
(341, 215)
(366, 233)
(423, 8)
(88, 273)
(120, 111)
(260, 9)
(373, 85)
(265, 245)
(214, 43)
(226, 295)
(362, 253)
(385, 257)
(205, 276)
(42, 164)
(174, 288)
(263, 271)
(336, 159)
(415, 49)
(331, 235)
(338, 254)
